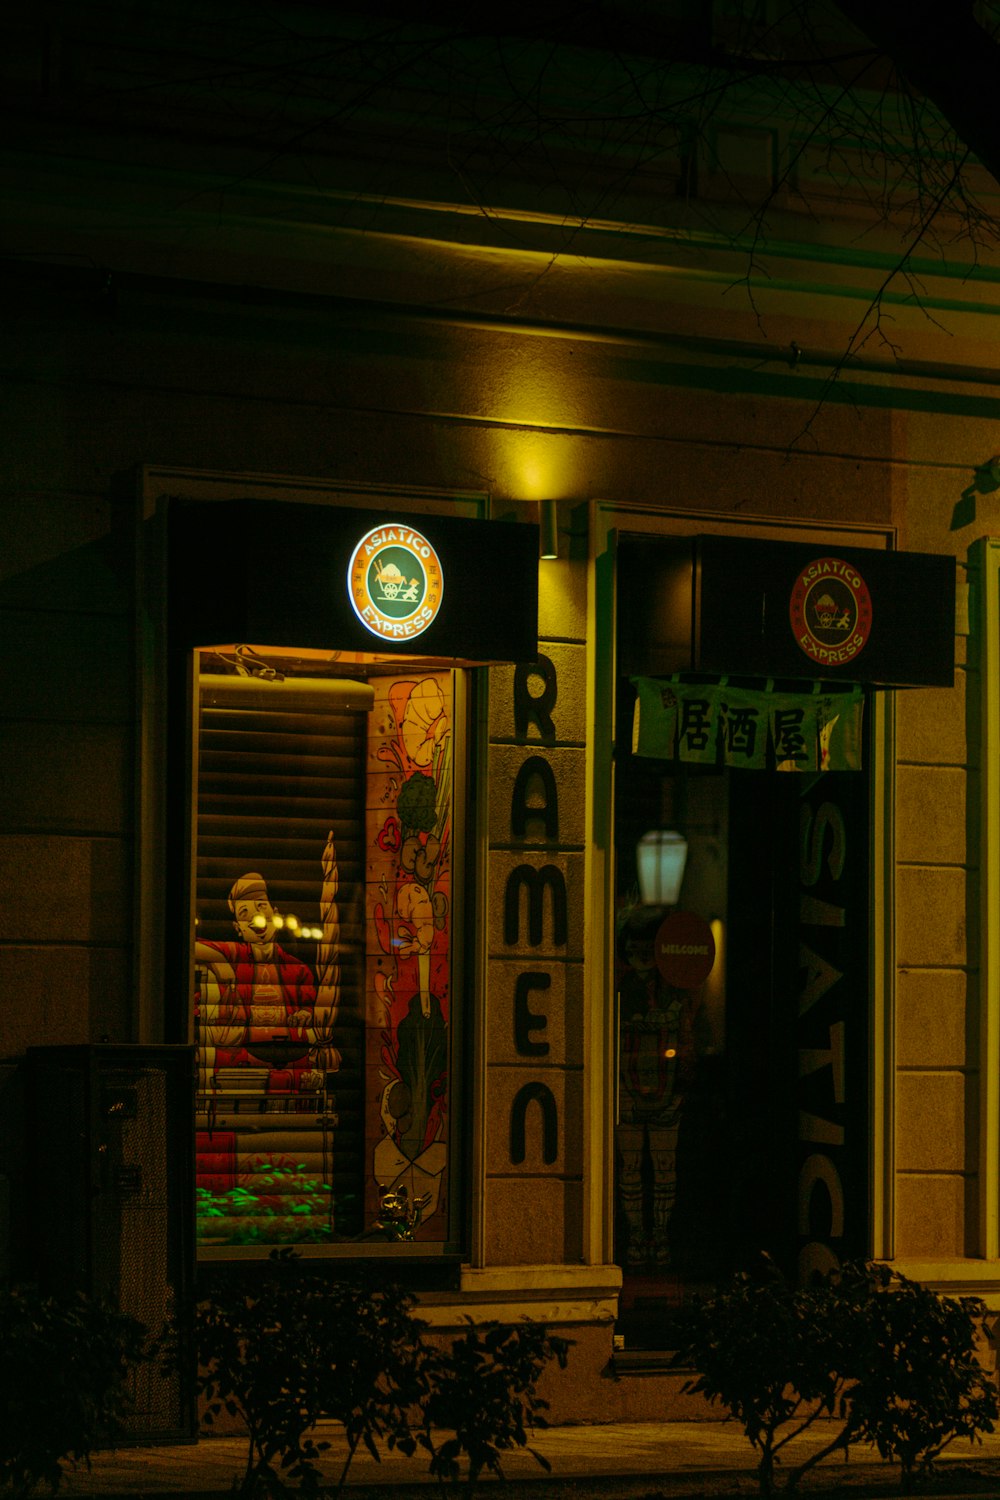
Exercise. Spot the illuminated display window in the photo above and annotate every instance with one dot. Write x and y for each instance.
(322, 975)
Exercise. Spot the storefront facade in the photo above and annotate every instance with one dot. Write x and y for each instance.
(332, 603)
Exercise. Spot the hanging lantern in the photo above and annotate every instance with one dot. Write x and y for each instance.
(660, 857)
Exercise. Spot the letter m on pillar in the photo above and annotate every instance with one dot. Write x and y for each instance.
(535, 882)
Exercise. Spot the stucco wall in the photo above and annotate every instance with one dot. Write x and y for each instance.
(66, 731)
(157, 379)
(159, 314)
(936, 1128)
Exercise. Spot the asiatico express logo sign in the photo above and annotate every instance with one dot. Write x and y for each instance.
(396, 582)
(830, 611)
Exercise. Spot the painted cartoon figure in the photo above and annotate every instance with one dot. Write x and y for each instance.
(393, 583)
(253, 994)
(657, 1052)
(828, 616)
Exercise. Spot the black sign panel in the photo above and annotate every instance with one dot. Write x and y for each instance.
(755, 608)
(829, 1017)
(798, 1019)
(330, 578)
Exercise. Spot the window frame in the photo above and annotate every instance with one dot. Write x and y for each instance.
(165, 810)
(607, 517)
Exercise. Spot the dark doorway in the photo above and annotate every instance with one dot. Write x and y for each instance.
(742, 1098)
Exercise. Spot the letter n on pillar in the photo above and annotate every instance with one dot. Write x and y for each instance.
(546, 1119)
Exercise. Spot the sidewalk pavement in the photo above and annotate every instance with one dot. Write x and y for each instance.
(617, 1461)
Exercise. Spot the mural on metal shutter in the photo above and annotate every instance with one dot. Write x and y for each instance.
(322, 961)
(408, 904)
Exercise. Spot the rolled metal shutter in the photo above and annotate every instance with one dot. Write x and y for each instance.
(280, 766)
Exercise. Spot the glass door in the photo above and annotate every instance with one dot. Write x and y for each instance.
(741, 1021)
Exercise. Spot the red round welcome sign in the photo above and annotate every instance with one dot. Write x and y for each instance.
(684, 950)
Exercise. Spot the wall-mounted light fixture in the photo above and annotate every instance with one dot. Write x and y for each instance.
(660, 857)
(548, 530)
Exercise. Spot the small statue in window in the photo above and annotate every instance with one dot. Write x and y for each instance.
(398, 1217)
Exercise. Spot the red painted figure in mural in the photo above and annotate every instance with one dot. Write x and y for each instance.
(266, 995)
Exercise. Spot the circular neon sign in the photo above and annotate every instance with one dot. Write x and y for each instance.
(830, 611)
(396, 582)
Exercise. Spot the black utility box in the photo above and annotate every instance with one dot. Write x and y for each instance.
(111, 1194)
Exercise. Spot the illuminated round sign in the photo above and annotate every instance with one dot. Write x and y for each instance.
(396, 582)
(830, 610)
(684, 950)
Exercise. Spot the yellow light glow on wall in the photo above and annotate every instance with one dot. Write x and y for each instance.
(527, 465)
(535, 465)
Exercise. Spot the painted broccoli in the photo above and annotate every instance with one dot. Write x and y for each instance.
(416, 805)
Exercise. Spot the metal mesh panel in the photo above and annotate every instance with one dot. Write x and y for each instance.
(132, 1230)
(112, 1127)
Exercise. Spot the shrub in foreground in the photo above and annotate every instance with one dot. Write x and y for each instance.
(918, 1383)
(64, 1382)
(886, 1360)
(483, 1392)
(285, 1351)
(764, 1351)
